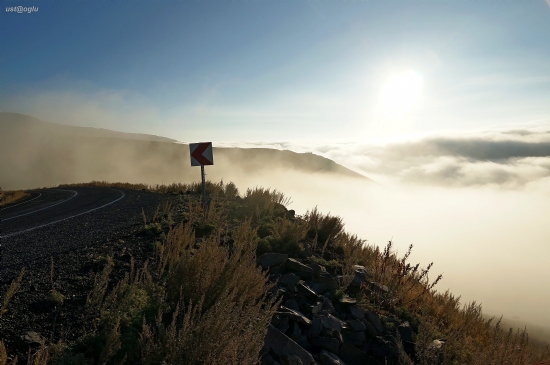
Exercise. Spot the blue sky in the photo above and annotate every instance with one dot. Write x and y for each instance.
(277, 70)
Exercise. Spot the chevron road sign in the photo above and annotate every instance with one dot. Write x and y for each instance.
(201, 154)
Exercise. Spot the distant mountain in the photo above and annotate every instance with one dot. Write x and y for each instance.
(34, 153)
(15, 122)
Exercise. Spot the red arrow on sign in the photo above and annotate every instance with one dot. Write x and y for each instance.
(202, 153)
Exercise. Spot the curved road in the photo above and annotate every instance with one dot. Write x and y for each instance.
(58, 220)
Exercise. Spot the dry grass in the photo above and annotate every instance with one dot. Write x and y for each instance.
(469, 338)
(325, 228)
(227, 190)
(265, 201)
(12, 290)
(9, 197)
(201, 302)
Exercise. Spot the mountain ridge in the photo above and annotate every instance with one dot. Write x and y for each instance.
(38, 153)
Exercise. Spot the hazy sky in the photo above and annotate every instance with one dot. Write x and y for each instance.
(279, 70)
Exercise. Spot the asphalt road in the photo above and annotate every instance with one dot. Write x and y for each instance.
(57, 220)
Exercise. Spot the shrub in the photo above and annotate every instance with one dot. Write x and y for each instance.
(208, 304)
(56, 297)
(103, 261)
(264, 246)
(263, 201)
(204, 229)
(323, 228)
(151, 229)
(12, 289)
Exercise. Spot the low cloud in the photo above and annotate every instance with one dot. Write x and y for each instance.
(507, 159)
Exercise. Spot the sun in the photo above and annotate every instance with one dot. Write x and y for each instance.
(401, 91)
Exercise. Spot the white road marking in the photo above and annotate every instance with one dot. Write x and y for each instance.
(11, 206)
(64, 219)
(49, 206)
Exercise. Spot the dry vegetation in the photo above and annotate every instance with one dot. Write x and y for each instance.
(9, 197)
(203, 300)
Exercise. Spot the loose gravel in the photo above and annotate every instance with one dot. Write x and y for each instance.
(65, 257)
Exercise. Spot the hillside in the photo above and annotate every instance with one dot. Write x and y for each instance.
(247, 281)
(36, 153)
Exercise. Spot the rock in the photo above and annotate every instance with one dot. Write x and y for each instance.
(302, 341)
(347, 300)
(329, 280)
(315, 328)
(353, 356)
(317, 269)
(315, 308)
(329, 333)
(329, 344)
(274, 277)
(268, 360)
(375, 321)
(410, 349)
(355, 338)
(405, 332)
(318, 288)
(360, 274)
(281, 345)
(283, 325)
(327, 304)
(277, 270)
(437, 344)
(289, 279)
(356, 312)
(293, 315)
(370, 331)
(297, 266)
(32, 338)
(296, 331)
(307, 292)
(328, 358)
(276, 319)
(357, 326)
(271, 259)
(292, 304)
(378, 288)
(384, 347)
(331, 322)
(291, 360)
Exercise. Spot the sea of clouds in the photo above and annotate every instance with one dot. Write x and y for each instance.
(476, 204)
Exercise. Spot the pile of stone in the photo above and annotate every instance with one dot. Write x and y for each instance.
(309, 328)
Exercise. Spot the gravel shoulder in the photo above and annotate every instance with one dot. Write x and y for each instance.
(66, 257)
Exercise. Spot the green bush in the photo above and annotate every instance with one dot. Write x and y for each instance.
(263, 247)
(204, 229)
(56, 297)
(152, 229)
(104, 260)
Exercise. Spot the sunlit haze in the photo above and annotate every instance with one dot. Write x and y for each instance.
(444, 105)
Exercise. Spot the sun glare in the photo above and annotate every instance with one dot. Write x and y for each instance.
(401, 91)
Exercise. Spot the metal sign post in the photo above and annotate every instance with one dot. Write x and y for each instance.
(201, 154)
(203, 189)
